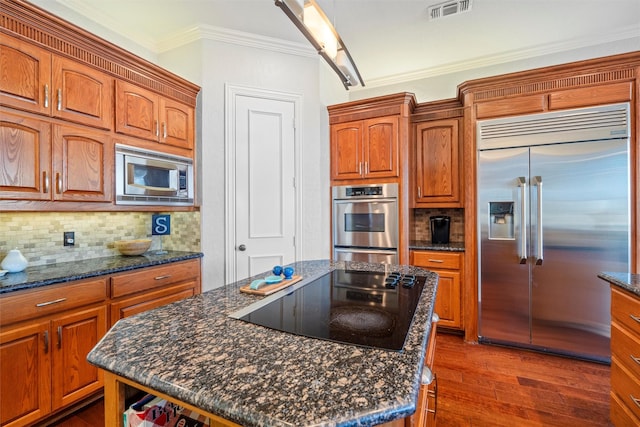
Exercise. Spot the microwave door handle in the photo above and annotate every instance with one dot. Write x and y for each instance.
(522, 183)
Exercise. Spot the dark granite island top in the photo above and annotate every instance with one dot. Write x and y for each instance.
(194, 352)
(626, 281)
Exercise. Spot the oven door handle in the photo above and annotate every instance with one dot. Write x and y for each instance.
(369, 201)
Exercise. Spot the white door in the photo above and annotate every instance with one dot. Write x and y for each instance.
(265, 192)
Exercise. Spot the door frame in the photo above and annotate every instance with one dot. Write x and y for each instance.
(231, 93)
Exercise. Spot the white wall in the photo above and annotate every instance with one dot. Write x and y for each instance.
(445, 86)
(213, 64)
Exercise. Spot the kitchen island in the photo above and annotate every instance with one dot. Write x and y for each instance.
(193, 353)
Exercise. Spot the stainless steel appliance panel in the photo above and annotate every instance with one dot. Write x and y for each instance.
(551, 217)
(579, 227)
(366, 255)
(365, 216)
(504, 279)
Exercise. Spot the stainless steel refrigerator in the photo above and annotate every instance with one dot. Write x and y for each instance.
(553, 212)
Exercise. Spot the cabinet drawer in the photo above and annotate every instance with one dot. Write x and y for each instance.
(626, 348)
(29, 304)
(626, 387)
(435, 259)
(626, 309)
(620, 415)
(149, 300)
(154, 277)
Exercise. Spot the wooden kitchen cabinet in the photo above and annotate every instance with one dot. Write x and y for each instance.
(44, 161)
(145, 114)
(142, 290)
(625, 362)
(437, 166)
(365, 149)
(449, 267)
(45, 336)
(35, 80)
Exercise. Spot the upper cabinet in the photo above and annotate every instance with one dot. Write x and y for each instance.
(437, 164)
(44, 161)
(370, 139)
(34, 80)
(365, 149)
(145, 114)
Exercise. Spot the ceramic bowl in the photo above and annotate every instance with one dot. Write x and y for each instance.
(133, 247)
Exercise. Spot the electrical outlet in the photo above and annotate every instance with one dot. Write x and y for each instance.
(69, 238)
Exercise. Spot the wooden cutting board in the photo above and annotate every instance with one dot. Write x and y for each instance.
(266, 289)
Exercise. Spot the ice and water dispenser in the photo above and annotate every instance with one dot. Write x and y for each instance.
(501, 221)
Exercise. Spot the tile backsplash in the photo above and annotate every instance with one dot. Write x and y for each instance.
(38, 235)
(422, 228)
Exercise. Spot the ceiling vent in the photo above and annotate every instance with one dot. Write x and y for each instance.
(449, 8)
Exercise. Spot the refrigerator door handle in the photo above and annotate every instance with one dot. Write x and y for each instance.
(522, 183)
(539, 255)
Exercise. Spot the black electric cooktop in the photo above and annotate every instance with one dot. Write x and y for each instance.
(371, 309)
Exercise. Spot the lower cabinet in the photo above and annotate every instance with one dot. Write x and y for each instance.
(47, 332)
(43, 363)
(625, 358)
(448, 265)
(141, 290)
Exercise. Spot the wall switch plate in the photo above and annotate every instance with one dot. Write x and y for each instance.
(69, 238)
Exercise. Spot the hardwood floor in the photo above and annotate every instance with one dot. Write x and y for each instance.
(482, 385)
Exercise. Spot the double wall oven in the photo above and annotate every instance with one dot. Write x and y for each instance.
(365, 223)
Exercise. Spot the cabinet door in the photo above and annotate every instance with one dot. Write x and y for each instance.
(25, 162)
(381, 147)
(75, 334)
(437, 169)
(346, 150)
(448, 304)
(25, 76)
(25, 374)
(137, 111)
(82, 165)
(82, 94)
(176, 124)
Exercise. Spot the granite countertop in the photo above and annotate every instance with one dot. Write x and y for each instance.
(426, 245)
(33, 277)
(627, 281)
(255, 376)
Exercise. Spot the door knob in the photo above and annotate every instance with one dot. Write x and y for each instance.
(242, 248)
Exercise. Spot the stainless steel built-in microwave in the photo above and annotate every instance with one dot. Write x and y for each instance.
(145, 177)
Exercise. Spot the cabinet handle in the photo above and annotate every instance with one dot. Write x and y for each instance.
(59, 99)
(366, 168)
(635, 400)
(157, 129)
(435, 395)
(59, 337)
(58, 183)
(360, 168)
(419, 192)
(162, 277)
(55, 301)
(636, 318)
(635, 359)
(46, 342)
(46, 96)
(439, 261)
(45, 182)
(164, 130)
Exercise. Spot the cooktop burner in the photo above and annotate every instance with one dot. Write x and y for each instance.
(371, 309)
